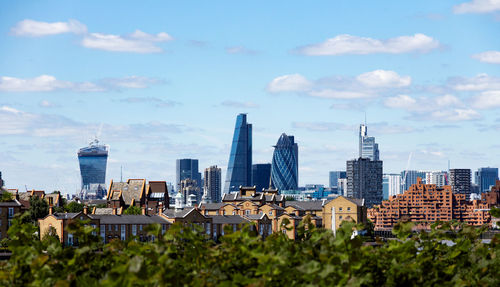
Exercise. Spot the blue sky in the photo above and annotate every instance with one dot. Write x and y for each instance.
(164, 80)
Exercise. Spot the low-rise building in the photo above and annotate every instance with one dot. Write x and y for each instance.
(135, 192)
(8, 209)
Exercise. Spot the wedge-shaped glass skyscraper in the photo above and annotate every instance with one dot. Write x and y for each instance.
(93, 160)
(239, 169)
(285, 165)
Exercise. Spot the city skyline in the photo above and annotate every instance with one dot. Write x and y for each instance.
(429, 85)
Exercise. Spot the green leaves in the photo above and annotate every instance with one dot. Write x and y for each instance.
(447, 255)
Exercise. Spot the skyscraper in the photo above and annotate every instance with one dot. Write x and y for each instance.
(485, 178)
(93, 160)
(189, 187)
(364, 180)
(187, 168)
(409, 177)
(460, 181)
(212, 185)
(261, 175)
(368, 148)
(1, 180)
(334, 178)
(239, 168)
(285, 164)
(392, 185)
(439, 178)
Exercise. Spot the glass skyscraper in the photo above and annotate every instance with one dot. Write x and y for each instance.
(368, 148)
(334, 178)
(485, 178)
(285, 165)
(239, 168)
(261, 175)
(93, 160)
(187, 168)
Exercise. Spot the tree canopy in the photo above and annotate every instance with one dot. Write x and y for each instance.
(448, 255)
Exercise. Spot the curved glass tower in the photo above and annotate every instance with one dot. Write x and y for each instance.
(239, 168)
(93, 161)
(285, 165)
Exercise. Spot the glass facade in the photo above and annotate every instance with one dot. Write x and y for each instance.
(93, 160)
(285, 165)
(334, 178)
(239, 168)
(364, 180)
(485, 178)
(368, 148)
(187, 168)
(261, 175)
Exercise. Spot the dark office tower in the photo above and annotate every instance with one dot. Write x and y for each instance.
(239, 168)
(261, 175)
(212, 183)
(187, 168)
(364, 180)
(460, 181)
(334, 178)
(486, 177)
(368, 148)
(285, 165)
(93, 160)
(1, 180)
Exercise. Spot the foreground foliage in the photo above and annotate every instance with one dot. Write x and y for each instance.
(184, 256)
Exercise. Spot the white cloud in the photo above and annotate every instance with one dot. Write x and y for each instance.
(348, 44)
(487, 100)
(47, 83)
(38, 29)
(137, 42)
(335, 94)
(479, 82)
(492, 57)
(383, 78)
(289, 83)
(47, 104)
(236, 104)
(438, 108)
(241, 50)
(367, 85)
(477, 6)
(157, 102)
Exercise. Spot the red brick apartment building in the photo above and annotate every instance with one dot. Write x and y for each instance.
(428, 203)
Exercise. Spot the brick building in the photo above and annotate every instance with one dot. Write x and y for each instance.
(425, 204)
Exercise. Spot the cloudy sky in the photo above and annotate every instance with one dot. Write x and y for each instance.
(161, 80)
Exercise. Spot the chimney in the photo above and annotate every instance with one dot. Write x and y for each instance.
(143, 210)
(50, 210)
(85, 209)
(114, 210)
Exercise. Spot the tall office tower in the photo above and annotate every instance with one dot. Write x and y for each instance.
(334, 178)
(364, 180)
(368, 148)
(342, 186)
(285, 164)
(439, 178)
(187, 168)
(392, 185)
(460, 181)
(239, 168)
(93, 160)
(1, 180)
(261, 175)
(212, 183)
(409, 177)
(187, 187)
(486, 177)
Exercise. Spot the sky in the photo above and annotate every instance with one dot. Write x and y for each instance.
(163, 80)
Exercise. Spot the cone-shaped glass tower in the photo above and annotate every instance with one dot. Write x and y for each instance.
(285, 165)
(239, 169)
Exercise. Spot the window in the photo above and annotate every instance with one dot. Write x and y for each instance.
(340, 217)
(70, 239)
(271, 213)
(163, 228)
(93, 227)
(116, 227)
(234, 212)
(123, 232)
(207, 227)
(11, 212)
(340, 208)
(140, 227)
(134, 229)
(224, 212)
(103, 231)
(247, 212)
(215, 231)
(348, 209)
(9, 222)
